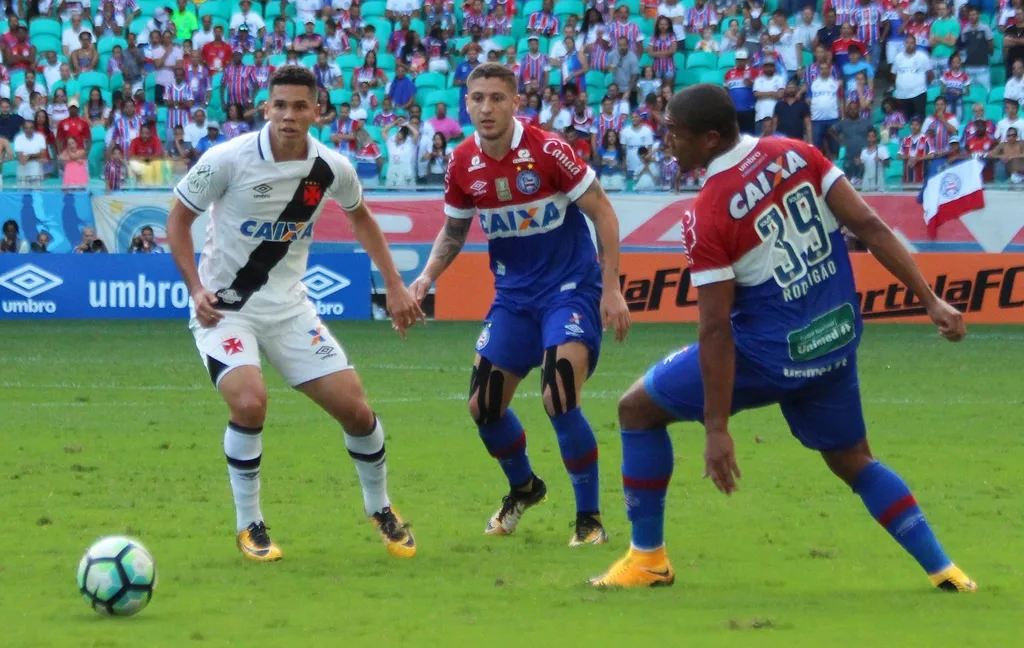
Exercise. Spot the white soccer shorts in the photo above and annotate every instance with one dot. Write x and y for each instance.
(301, 348)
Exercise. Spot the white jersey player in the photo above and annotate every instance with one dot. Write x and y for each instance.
(264, 191)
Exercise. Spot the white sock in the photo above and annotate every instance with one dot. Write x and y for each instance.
(243, 448)
(367, 453)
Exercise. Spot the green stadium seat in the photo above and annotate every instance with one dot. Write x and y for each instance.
(998, 75)
(726, 60)
(349, 61)
(595, 78)
(116, 81)
(555, 77)
(996, 96)
(383, 29)
(633, 5)
(691, 41)
(532, 6)
(468, 130)
(373, 9)
(724, 25)
(933, 92)
(712, 76)
(687, 77)
(217, 10)
(262, 95)
(309, 60)
(706, 60)
(646, 60)
(894, 172)
(340, 96)
(504, 41)
(10, 171)
(976, 94)
(994, 112)
(386, 61)
(47, 43)
(248, 59)
(519, 27)
(432, 80)
(94, 79)
(325, 135)
(106, 45)
(40, 26)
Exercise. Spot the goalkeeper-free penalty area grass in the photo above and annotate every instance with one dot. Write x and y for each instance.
(113, 427)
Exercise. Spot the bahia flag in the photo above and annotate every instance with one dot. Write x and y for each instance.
(953, 192)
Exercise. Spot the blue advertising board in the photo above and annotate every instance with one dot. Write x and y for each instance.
(148, 286)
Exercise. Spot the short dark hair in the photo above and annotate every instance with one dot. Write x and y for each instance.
(494, 71)
(293, 75)
(703, 108)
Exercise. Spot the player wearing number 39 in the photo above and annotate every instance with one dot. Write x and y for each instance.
(779, 324)
(531, 192)
(264, 192)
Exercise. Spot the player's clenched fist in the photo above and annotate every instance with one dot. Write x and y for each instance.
(206, 307)
(949, 320)
(404, 309)
(615, 313)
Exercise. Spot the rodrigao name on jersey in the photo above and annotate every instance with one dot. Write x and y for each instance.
(742, 202)
(276, 230)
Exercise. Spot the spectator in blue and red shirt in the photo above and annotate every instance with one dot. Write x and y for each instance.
(115, 173)
(739, 81)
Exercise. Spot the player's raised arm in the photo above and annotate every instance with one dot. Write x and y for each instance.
(852, 211)
(595, 204)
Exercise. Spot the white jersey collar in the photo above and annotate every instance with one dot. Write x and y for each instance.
(263, 145)
(733, 156)
(517, 135)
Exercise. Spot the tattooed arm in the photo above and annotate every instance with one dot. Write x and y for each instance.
(447, 246)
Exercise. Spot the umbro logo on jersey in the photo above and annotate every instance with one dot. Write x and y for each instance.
(262, 191)
(478, 188)
(476, 164)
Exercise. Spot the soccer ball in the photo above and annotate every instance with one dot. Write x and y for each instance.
(116, 576)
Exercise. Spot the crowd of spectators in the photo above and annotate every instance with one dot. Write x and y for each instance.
(123, 92)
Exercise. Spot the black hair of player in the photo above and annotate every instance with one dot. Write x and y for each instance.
(704, 108)
(493, 71)
(293, 75)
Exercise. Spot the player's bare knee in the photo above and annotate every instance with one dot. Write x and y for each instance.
(848, 463)
(558, 384)
(633, 411)
(249, 408)
(359, 420)
(486, 393)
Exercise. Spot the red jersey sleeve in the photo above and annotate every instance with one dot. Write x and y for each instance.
(570, 175)
(703, 243)
(457, 203)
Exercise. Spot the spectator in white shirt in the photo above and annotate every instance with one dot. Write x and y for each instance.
(108, 22)
(70, 38)
(307, 9)
(51, 69)
(638, 134)
(24, 92)
(1015, 84)
(874, 159)
(555, 118)
(676, 13)
(768, 87)
(203, 35)
(394, 9)
(558, 50)
(247, 17)
(1011, 120)
(806, 28)
(72, 7)
(912, 72)
(195, 130)
(825, 108)
(30, 147)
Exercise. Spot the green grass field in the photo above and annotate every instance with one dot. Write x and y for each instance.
(113, 428)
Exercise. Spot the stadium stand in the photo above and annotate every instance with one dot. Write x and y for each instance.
(143, 87)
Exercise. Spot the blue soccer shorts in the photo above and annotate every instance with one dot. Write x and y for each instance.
(514, 337)
(823, 412)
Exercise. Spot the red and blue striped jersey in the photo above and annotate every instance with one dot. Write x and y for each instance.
(664, 66)
(598, 59)
(867, 20)
(261, 75)
(956, 81)
(532, 67)
(383, 119)
(894, 121)
(628, 30)
(346, 127)
(698, 19)
(543, 23)
(915, 146)
(501, 26)
(938, 133)
(471, 19)
(843, 9)
(114, 175)
(237, 82)
(584, 122)
(396, 40)
(275, 43)
(125, 130)
(178, 116)
(609, 122)
(198, 78)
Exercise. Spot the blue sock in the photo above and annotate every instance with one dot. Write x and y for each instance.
(579, 454)
(506, 441)
(647, 464)
(890, 502)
